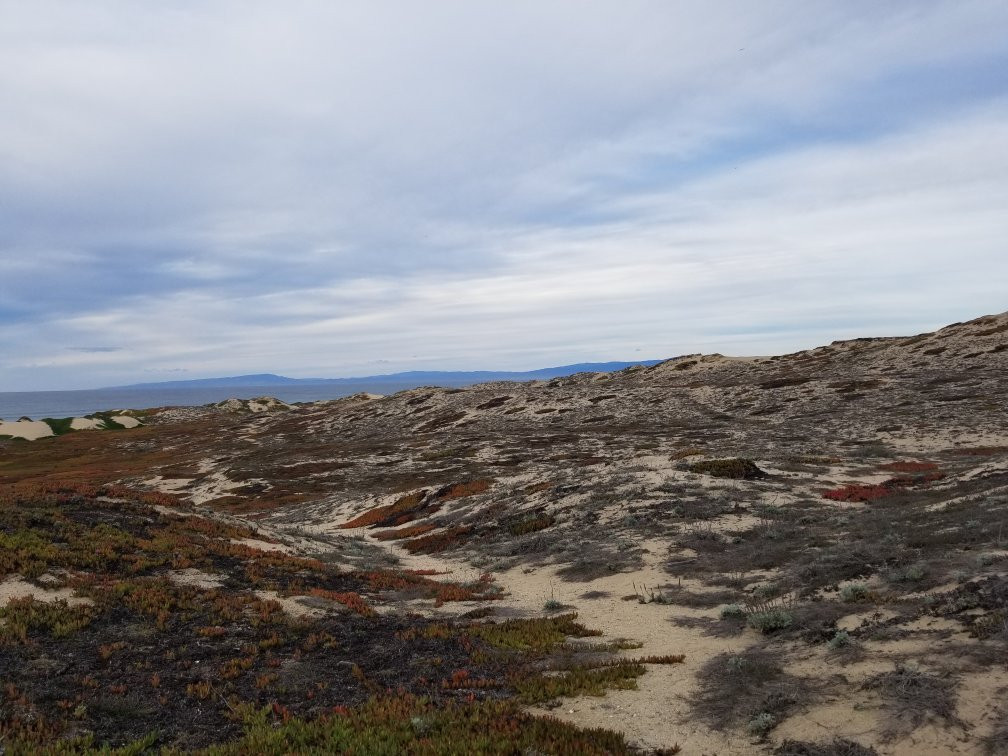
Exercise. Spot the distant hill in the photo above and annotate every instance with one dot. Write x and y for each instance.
(417, 377)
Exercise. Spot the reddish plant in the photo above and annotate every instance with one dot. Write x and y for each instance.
(351, 600)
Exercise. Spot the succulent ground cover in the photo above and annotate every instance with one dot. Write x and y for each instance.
(816, 537)
(142, 657)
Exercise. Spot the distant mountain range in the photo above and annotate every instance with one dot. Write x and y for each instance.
(416, 377)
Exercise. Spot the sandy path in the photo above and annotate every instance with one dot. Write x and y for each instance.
(657, 714)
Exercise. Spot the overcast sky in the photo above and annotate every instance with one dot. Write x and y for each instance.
(197, 188)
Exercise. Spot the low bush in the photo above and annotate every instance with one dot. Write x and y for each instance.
(770, 621)
(736, 468)
(854, 592)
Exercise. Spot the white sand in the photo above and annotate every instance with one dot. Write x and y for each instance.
(27, 429)
(196, 578)
(35, 429)
(15, 587)
(86, 423)
(126, 421)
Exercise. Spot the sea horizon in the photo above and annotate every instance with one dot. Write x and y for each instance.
(79, 402)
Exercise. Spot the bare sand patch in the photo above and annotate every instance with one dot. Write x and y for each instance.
(126, 421)
(86, 423)
(15, 587)
(196, 578)
(26, 429)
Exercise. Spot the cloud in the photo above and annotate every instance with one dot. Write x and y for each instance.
(313, 188)
(95, 349)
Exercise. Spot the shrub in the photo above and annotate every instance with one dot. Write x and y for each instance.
(853, 592)
(736, 468)
(840, 640)
(733, 611)
(770, 621)
(761, 724)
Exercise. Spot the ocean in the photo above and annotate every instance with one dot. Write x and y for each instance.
(40, 404)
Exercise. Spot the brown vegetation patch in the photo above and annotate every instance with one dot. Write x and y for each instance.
(409, 507)
(531, 525)
(411, 532)
(493, 403)
(435, 543)
(992, 331)
(909, 466)
(461, 490)
(785, 380)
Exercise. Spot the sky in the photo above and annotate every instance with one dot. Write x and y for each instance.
(194, 188)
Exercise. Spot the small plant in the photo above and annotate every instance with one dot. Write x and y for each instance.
(769, 616)
(735, 468)
(552, 604)
(841, 640)
(771, 621)
(733, 611)
(761, 724)
(854, 592)
(652, 595)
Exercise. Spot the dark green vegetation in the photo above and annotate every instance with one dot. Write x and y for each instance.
(155, 658)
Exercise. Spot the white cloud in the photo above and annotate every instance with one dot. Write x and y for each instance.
(309, 188)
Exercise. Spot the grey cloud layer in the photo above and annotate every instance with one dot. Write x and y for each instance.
(308, 188)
